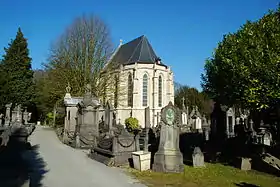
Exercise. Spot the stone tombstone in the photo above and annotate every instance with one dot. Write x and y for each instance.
(245, 164)
(230, 122)
(184, 113)
(198, 158)
(8, 114)
(197, 120)
(88, 118)
(206, 128)
(25, 116)
(1, 119)
(267, 138)
(168, 158)
(17, 114)
(109, 117)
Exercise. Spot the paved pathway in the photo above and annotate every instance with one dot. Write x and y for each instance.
(68, 167)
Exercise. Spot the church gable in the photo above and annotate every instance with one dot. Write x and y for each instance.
(138, 50)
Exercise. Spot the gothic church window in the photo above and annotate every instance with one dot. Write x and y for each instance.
(160, 91)
(116, 96)
(145, 90)
(130, 91)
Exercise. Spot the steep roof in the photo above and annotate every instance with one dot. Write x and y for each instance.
(137, 50)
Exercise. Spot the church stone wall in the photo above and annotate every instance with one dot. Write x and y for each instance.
(153, 71)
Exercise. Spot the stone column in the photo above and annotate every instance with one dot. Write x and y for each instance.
(154, 95)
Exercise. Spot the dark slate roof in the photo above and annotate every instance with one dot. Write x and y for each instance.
(137, 50)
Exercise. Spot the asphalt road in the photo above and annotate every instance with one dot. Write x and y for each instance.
(58, 165)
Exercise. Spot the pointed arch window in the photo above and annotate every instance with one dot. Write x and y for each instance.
(130, 91)
(145, 90)
(160, 91)
(116, 91)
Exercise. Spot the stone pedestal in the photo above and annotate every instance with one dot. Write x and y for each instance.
(169, 158)
(168, 162)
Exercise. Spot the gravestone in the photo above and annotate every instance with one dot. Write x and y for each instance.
(87, 128)
(168, 158)
(246, 164)
(206, 128)
(8, 114)
(198, 157)
(108, 123)
(267, 138)
(1, 119)
(195, 117)
(230, 122)
(25, 116)
(184, 113)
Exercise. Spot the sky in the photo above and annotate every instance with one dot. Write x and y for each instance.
(183, 33)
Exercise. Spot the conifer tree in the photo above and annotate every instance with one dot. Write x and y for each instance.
(17, 84)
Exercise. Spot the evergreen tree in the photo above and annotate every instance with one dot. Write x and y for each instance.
(17, 82)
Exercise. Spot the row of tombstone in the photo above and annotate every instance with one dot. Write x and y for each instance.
(16, 115)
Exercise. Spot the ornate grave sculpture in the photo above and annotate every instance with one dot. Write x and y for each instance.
(70, 120)
(115, 147)
(87, 129)
(185, 118)
(168, 158)
(196, 120)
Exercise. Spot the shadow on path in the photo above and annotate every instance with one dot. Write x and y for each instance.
(21, 165)
(244, 184)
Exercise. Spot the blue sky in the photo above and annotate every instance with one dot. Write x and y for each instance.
(182, 32)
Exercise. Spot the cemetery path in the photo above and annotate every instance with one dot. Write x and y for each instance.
(68, 167)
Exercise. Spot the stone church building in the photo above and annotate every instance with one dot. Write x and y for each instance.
(144, 81)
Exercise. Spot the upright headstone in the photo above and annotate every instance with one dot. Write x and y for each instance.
(25, 116)
(198, 158)
(1, 119)
(230, 122)
(109, 117)
(8, 114)
(206, 128)
(184, 113)
(168, 158)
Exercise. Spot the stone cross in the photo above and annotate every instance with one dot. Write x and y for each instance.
(169, 158)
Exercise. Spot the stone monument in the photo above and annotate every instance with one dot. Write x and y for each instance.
(198, 158)
(8, 114)
(168, 158)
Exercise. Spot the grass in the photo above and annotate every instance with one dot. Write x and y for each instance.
(213, 175)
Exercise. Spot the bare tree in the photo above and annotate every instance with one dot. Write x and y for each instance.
(79, 57)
